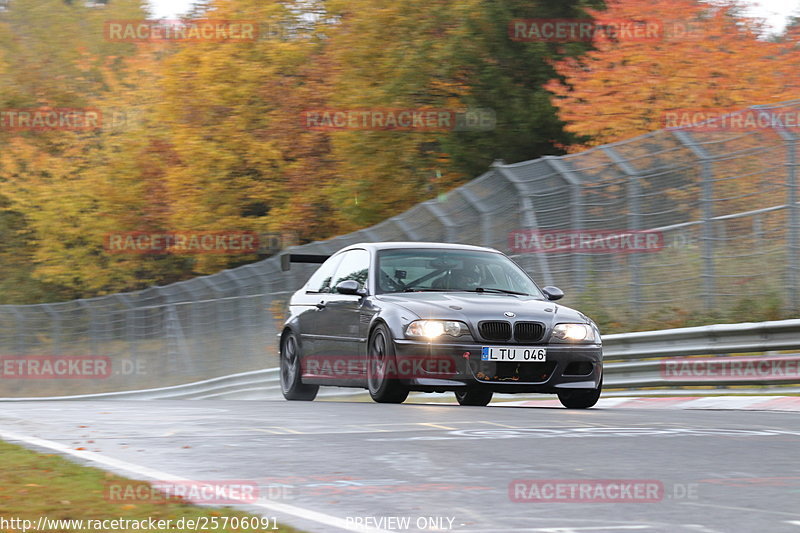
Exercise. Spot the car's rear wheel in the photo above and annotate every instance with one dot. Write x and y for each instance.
(473, 397)
(382, 378)
(292, 386)
(580, 399)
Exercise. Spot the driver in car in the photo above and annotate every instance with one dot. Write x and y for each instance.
(467, 278)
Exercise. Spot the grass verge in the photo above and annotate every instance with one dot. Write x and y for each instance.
(34, 485)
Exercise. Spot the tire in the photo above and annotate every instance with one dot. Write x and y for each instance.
(380, 357)
(580, 399)
(291, 385)
(474, 397)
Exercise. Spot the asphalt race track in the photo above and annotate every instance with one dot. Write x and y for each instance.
(334, 466)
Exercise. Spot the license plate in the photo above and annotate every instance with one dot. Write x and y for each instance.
(519, 354)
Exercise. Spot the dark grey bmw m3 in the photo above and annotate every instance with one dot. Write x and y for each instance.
(396, 317)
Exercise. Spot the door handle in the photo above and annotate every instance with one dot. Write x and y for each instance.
(321, 304)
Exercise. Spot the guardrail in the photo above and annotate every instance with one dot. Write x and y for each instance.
(661, 359)
(702, 340)
(258, 384)
(657, 360)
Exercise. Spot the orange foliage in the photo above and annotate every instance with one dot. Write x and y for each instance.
(709, 57)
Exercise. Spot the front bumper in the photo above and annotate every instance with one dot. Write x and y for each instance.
(459, 366)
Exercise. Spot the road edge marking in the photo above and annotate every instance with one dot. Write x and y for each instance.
(152, 473)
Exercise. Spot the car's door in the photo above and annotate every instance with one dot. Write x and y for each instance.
(310, 301)
(339, 321)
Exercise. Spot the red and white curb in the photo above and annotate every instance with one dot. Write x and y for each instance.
(744, 403)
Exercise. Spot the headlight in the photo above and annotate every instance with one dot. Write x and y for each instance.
(436, 328)
(573, 333)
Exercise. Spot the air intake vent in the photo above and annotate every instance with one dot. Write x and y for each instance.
(495, 330)
(528, 331)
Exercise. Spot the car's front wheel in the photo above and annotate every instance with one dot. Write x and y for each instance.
(473, 397)
(292, 386)
(382, 378)
(580, 399)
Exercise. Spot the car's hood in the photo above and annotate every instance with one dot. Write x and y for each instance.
(474, 307)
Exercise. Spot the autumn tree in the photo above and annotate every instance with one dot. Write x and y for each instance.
(231, 114)
(708, 56)
(219, 142)
(52, 54)
(445, 54)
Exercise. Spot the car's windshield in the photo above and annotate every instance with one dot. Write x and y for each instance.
(429, 269)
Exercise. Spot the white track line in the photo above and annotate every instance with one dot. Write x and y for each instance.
(741, 403)
(143, 471)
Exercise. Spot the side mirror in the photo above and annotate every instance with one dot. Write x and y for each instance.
(350, 286)
(553, 293)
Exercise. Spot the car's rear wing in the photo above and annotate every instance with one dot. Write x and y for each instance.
(288, 259)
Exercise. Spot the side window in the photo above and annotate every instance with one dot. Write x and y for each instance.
(320, 281)
(354, 265)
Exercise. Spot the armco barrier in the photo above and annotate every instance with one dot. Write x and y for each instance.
(640, 359)
(715, 339)
(723, 204)
(633, 361)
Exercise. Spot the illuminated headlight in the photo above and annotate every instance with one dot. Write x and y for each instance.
(436, 328)
(573, 333)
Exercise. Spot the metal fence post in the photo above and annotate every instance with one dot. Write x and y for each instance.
(240, 321)
(794, 224)
(634, 193)
(706, 177)
(449, 225)
(483, 214)
(406, 228)
(178, 357)
(55, 328)
(577, 222)
(576, 216)
(92, 326)
(793, 237)
(528, 215)
(19, 319)
(130, 321)
(217, 333)
(189, 327)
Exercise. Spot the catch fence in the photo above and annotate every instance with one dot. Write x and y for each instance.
(722, 203)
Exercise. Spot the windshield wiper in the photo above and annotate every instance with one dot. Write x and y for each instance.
(479, 289)
(412, 289)
(504, 291)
